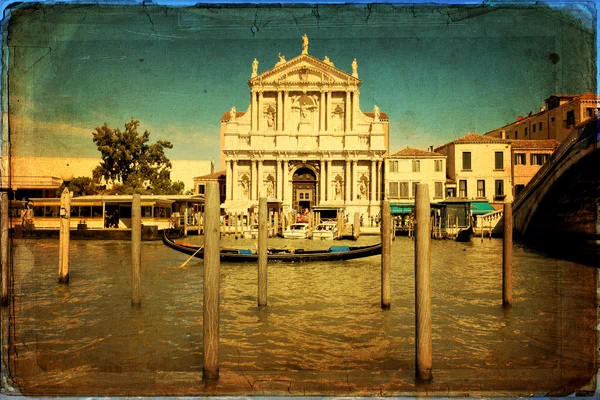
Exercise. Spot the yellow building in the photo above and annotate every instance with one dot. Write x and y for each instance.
(478, 167)
(407, 167)
(304, 142)
(556, 120)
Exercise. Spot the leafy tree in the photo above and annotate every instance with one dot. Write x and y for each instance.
(80, 186)
(131, 164)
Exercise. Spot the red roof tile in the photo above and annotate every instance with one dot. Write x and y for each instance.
(382, 116)
(214, 175)
(535, 144)
(412, 152)
(225, 117)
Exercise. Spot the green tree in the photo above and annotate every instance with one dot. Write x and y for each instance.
(80, 186)
(131, 164)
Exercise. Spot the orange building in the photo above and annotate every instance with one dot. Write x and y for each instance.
(528, 156)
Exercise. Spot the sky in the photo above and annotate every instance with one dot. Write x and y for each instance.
(438, 72)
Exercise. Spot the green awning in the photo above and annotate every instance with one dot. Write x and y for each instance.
(481, 208)
(401, 208)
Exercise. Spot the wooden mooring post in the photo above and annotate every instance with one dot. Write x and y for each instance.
(211, 285)
(64, 236)
(507, 244)
(136, 250)
(262, 251)
(386, 254)
(4, 243)
(356, 226)
(423, 285)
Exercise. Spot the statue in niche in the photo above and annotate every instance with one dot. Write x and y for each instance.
(254, 68)
(376, 113)
(305, 106)
(270, 117)
(338, 190)
(281, 59)
(269, 188)
(338, 119)
(363, 190)
(305, 44)
(245, 189)
(355, 68)
(232, 114)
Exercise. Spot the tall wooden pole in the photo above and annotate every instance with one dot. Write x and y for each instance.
(423, 285)
(386, 254)
(136, 250)
(65, 222)
(4, 239)
(262, 251)
(356, 225)
(210, 369)
(507, 245)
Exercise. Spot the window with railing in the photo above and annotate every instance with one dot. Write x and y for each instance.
(462, 188)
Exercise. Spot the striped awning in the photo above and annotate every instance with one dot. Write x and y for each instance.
(481, 208)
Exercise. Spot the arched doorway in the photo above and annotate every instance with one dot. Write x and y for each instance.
(304, 183)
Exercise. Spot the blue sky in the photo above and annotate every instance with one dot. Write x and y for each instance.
(438, 72)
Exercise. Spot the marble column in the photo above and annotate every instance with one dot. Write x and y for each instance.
(286, 109)
(322, 113)
(229, 179)
(253, 110)
(322, 182)
(379, 186)
(347, 192)
(329, 188)
(354, 180)
(328, 110)
(279, 111)
(286, 184)
(259, 126)
(279, 178)
(347, 113)
(234, 181)
(373, 180)
(254, 180)
(260, 178)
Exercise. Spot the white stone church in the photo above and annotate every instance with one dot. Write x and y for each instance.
(304, 143)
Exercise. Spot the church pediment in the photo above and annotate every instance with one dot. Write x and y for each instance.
(304, 70)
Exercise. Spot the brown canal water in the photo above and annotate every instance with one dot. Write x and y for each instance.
(323, 331)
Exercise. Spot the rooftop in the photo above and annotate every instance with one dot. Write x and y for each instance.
(412, 152)
(535, 144)
(213, 176)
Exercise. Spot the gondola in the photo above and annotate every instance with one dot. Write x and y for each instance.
(333, 253)
(465, 235)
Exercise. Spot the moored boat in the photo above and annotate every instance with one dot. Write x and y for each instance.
(298, 230)
(325, 230)
(285, 254)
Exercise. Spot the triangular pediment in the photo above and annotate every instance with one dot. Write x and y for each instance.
(302, 70)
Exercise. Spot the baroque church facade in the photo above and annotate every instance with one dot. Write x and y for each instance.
(304, 142)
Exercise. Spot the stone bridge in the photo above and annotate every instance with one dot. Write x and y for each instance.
(561, 201)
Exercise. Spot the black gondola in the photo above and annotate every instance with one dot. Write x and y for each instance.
(334, 253)
(465, 235)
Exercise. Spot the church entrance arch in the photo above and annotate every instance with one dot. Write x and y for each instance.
(304, 184)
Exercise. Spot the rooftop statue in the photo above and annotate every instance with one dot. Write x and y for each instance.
(327, 61)
(254, 68)
(281, 59)
(305, 44)
(232, 114)
(355, 68)
(376, 112)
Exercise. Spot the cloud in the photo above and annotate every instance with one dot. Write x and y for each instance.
(20, 124)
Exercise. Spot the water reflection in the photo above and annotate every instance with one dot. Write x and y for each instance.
(322, 317)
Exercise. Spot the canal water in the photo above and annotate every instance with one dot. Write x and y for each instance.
(323, 331)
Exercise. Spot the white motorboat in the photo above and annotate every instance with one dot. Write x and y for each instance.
(297, 231)
(325, 230)
(251, 232)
